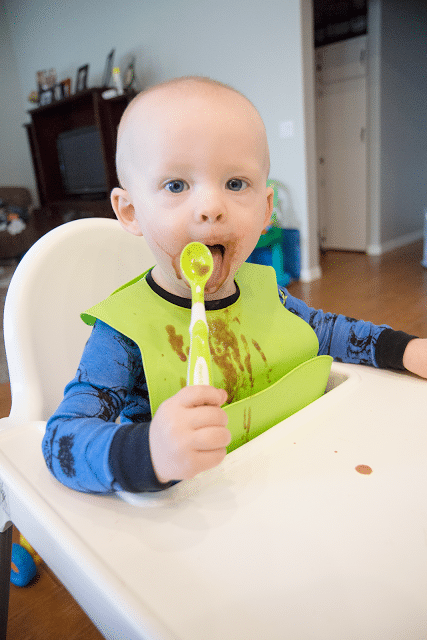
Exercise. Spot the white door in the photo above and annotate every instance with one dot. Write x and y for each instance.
(341, 152)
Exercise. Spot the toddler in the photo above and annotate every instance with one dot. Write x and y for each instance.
(193, 162)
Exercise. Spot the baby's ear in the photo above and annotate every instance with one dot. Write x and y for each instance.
(125, 211)
(269, 206)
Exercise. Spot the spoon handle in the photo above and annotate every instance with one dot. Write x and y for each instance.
(199, 366)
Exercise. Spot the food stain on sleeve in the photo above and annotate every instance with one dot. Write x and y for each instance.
(176, 341)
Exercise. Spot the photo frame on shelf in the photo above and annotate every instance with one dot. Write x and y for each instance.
(108, 68)
(81, 79)
(66, 88)
(50, 79)
(46, 96)
(129, 76)
(58, 91)
(41, 80)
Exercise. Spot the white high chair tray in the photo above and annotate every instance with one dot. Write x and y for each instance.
(285, 540)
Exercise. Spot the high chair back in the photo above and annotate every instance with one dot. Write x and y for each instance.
(68, 270)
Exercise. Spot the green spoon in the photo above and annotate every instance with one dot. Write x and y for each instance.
(197, 265)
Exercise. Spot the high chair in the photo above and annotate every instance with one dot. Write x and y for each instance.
(315, 530)
(75, 264)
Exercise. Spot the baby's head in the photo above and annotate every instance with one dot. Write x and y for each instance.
(193, 161)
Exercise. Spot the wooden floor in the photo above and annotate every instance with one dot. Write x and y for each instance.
(391, 289)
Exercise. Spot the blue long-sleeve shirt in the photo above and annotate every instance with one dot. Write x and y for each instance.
(87, 450)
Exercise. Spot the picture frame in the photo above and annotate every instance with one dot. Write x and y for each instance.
(58, 91)
(46, 96)
(41, 80)
(81, 79)
(129, 76)
(108, 68)
(50, 78)
(66, 88)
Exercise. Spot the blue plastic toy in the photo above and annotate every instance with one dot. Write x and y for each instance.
(23, 566)
(279, 248)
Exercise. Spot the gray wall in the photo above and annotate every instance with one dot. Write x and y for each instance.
(403, 116)
(398, 108)
(15, 163)
(257, 47)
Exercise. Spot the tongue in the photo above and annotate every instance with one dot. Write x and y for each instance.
(217, 265)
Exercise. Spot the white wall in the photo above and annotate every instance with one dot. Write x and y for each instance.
(256, 47)
(374, 128)
(398, 97)
(403, 117)
(15, 163)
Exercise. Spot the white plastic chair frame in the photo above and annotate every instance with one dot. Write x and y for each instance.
(70, 268)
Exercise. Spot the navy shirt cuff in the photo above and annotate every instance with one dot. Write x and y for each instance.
(130, 459)
(390, 348)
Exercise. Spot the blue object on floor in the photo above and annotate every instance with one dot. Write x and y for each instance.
(280, 249)
(25, 565)
(292, 252)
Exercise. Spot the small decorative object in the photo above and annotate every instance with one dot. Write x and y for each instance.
(117, 80)
(81, 80)
(58, 91)
(13, 219)
(66, 88)
(46, 79)
(109, 93)
(108, 69)
(41, 80)
(46, 87)
(50, 78)
(33, 97)
(46, 96)
(129, 77)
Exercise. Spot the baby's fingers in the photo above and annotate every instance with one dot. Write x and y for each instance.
(206, 416)
(211, 439)
(199, 395)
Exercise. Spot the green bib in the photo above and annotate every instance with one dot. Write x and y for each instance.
(262, 354)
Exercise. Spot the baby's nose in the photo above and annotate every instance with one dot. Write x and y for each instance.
(210, 207)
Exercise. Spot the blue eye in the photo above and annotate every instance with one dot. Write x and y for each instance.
(175, 186)
(236, 184)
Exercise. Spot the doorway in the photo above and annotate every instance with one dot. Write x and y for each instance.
(341, 144)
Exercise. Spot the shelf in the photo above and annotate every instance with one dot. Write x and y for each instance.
(84, 109)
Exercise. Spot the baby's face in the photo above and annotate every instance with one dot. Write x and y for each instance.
(197, 171)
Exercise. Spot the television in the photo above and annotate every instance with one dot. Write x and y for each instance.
(81, 162)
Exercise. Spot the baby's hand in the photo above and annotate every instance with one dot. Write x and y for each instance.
(415, 357)
(188, 433)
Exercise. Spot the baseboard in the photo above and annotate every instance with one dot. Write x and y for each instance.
(396, 243)
(308, 275)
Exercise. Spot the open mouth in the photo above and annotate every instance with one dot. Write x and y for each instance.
(218, 252)
(216, 249)
(222, 256)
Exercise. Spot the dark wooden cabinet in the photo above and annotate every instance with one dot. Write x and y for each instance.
(84, 109)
